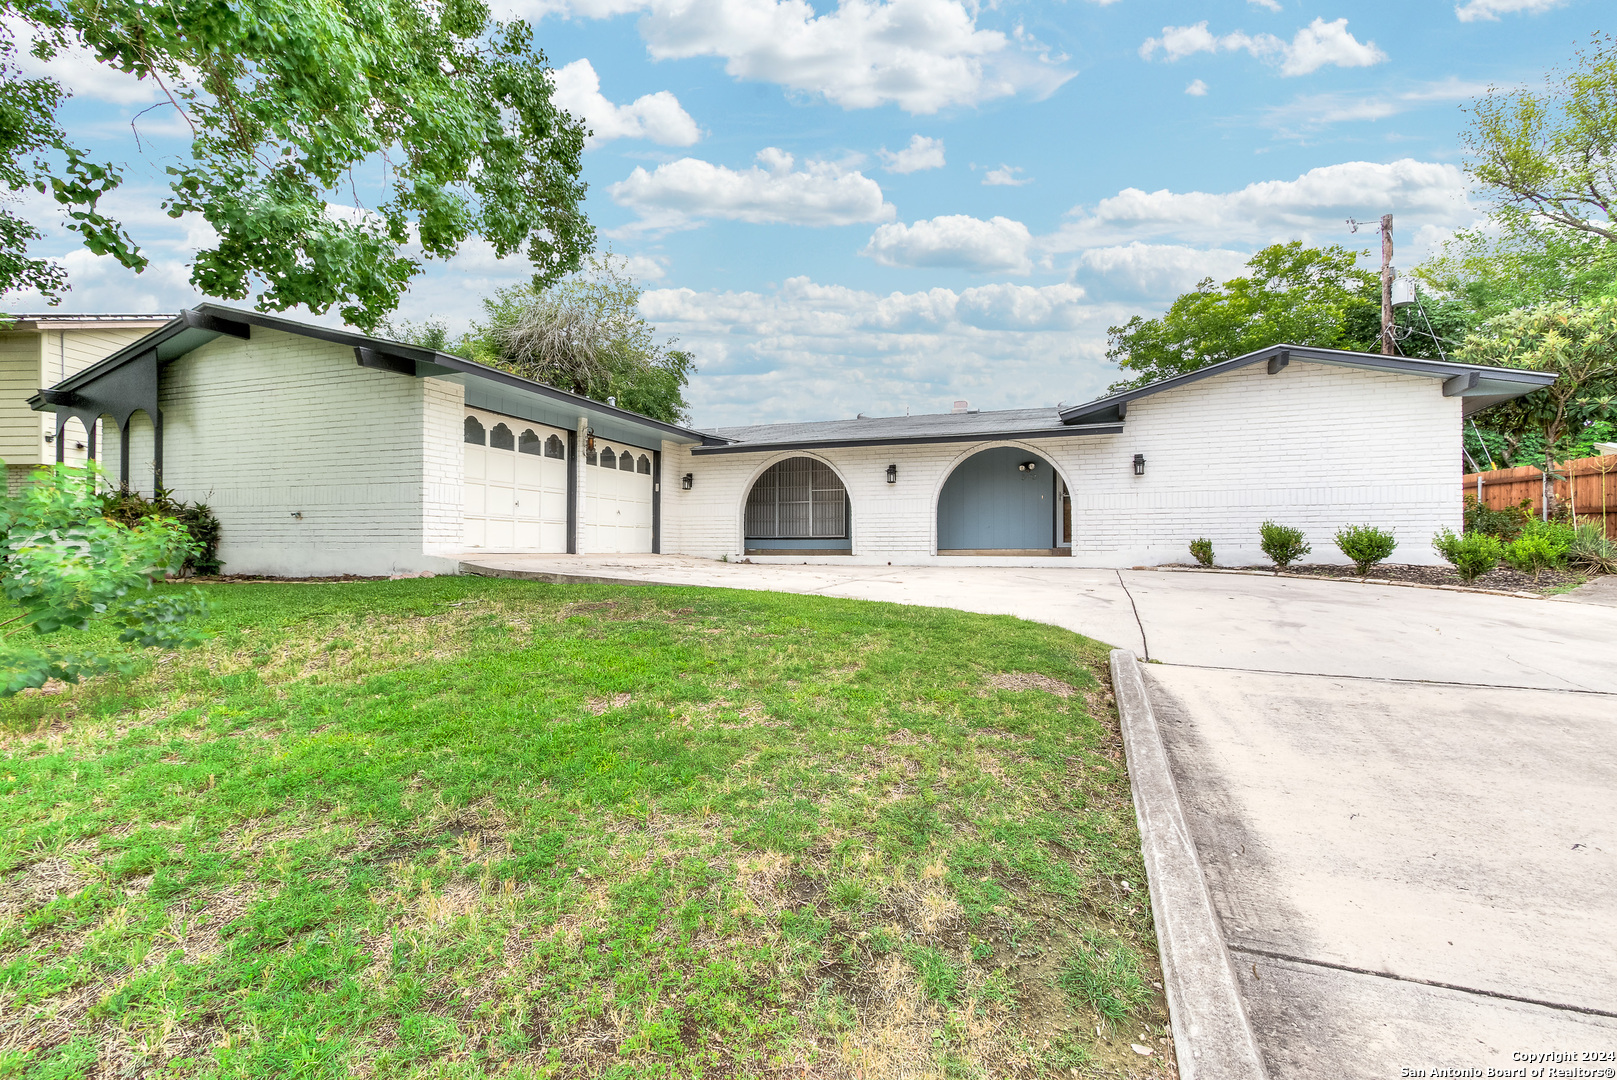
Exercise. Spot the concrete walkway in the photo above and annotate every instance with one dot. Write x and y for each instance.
(1404, 800)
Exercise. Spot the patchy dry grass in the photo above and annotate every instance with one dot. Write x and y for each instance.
(458, 827)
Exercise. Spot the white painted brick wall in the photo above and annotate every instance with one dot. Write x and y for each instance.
(283, 424)
(1316, 447)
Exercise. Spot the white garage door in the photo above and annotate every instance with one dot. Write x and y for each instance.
(617, 500)
(516, 484)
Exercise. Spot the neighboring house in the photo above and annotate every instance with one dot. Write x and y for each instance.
(324, 451)
(39, 350)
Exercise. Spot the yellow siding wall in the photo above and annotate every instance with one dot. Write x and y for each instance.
(21, 430)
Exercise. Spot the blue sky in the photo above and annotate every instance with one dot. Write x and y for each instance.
(872, 207)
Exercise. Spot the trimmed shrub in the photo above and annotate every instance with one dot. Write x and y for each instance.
(1366, 545)
(1202, 550)
(1542, 545)
(129, 508)
(1506, 524)
(1282, 543)
(1471, 555)
(1592, 550)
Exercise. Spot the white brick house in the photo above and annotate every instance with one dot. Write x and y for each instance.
(328, 452)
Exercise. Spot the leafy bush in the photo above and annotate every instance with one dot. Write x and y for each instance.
(1542, 545)
(1591, 549)
(1506, 524)
(130, 508)
(1282, 543)
(67, 564)
(1366, 545)
(1472, 555)
(1202, 550)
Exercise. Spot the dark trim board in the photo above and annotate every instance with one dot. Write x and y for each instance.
(573, 465)
(656, 502)
(1052, 553)
(910, 440)
(798, 551)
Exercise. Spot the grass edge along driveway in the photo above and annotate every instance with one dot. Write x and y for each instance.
(466, 826)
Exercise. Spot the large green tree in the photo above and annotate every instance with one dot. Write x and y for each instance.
(336, 144)
(1549, 156)
(585, 334)
(1294, 294)
(1578, 342)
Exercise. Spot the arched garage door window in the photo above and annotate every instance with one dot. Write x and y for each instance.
(798, 506)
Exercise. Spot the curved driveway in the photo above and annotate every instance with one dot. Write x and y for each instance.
(1404, 800)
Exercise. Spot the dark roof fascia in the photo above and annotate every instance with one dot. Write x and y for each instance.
(1404, 365)
(216, 318)
(908, 440)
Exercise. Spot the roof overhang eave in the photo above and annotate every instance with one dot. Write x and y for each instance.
(908, 440)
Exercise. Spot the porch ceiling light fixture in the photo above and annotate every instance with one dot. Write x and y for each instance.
(1027, 466)
(892, 474)
(1139, 464)
(686, 481)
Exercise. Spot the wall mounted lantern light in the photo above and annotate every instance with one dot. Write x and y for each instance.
(589, 440)
(1139, 464)
(892, 474)
(686, 481)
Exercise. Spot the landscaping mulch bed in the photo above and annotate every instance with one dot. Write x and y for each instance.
(1502, 579)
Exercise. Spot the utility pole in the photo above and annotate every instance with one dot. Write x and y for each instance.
(1387, 348)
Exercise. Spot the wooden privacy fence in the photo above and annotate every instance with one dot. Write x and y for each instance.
(1588, 484)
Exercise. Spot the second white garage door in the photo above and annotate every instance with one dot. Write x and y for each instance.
(516, 484)
(617, 500)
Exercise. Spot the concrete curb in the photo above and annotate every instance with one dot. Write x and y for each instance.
(1212, 1037)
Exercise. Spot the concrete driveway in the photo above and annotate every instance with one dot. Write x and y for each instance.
(1404, 800)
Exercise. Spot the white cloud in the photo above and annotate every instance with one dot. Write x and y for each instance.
(1197, 88)
(1271, 5)
(1319, 44)
(658, 117)
(1311, 208)
(1155, 271)
(646, 267)
(1316, 111)
(812, 351)
(922, 153)
(1005, 176)
(682, 193)
(954, 240)
(921, 55)
(1490, 10)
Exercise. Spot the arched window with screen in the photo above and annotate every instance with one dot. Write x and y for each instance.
(798, 505)
(643, 466)
(529, 443)
(474, 431)
(609, 460)
(501, 438)
(626, 462)
(555, 448)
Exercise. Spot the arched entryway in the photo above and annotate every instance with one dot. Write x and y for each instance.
(1001, 501)
(798, 506)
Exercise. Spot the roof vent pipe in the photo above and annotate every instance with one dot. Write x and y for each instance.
(961, 406)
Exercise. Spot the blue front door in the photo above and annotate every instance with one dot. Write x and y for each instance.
(991, 502)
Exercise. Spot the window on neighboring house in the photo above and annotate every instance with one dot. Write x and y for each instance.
(474, 431)
(501, 439)
(529, 443)
(555, 448)
(609, 460)
(643, 466)
(798, 499)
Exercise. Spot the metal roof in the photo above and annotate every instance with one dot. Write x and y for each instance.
(1479, 385)
(971, 426)
(197, 326)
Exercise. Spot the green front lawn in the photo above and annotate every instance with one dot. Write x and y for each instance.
(460, 826)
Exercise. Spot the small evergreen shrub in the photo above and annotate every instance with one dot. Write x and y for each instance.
(1202, 549)
(1542, 545)
(1472, 554)
(1282, 543)
(1591, 549)
(1366, 545)
(129, 508)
